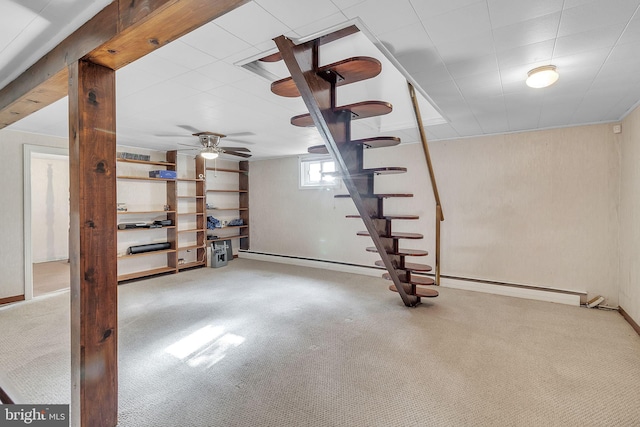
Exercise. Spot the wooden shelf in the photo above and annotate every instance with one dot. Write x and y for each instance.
(394, 235)
(191, 265)
(190, 213)
(230, 226)
(226, 170)
(145, 273)
(187, 248)
(145, 178)
(227, 209)
(164, 251)
(190, 197)
(144, 212)
(222, 238)
(227, 191)
(190, 179)
(147, 162)
(191, 230)
(146, 228)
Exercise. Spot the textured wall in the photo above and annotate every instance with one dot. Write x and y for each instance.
(630, 216)
(536, 208)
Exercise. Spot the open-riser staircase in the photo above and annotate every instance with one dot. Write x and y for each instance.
(318, 88)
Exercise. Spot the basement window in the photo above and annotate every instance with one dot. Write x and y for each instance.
(316, 172)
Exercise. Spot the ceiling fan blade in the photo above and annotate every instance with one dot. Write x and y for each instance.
(241, 141)
(172, 135)
(188, 128)
(235, 153)
(241, 134)
(190, 145)
(235, 149)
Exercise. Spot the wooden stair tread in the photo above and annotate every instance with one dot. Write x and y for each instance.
(327, 38)
(387, 170)
(401, 252)
(389, 217)
(375, 196)
(351, 70)
(359, 110)
(375, 142)
(423, 293)
(394, 235)
(415, 280)
(409, 266)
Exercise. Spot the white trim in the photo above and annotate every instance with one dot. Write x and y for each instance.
(28, 151)
(469, 285)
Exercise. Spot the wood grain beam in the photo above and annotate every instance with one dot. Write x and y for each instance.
(92, 245)
(122, 32)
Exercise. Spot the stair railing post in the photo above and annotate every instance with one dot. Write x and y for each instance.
(432, 176)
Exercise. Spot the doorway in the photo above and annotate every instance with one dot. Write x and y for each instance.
(46, 219)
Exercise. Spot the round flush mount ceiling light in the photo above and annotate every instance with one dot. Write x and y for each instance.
(542, 76)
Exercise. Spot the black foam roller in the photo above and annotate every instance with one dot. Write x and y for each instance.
(148, 248)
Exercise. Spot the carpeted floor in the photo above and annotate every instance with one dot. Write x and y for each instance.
(260, 344)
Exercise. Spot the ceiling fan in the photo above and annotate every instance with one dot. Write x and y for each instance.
(211, 148)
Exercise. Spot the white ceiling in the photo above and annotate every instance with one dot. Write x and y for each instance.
(470, 56)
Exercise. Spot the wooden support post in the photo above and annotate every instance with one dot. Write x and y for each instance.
(92, 245)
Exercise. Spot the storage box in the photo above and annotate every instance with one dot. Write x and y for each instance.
(163, 174)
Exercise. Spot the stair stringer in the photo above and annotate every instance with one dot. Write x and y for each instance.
(319, 96)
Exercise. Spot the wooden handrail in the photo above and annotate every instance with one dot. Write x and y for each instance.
(432, 176)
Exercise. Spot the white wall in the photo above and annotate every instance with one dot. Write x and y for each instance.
(630, 216)
(49, 208)
(11, 214)
(535, 208)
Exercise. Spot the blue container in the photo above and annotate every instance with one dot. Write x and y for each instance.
(163, 174)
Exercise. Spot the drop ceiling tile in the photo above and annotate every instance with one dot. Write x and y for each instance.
(480, 85)
(131, 79)
(493, 123)
(430, 8)
(214, 41)
(319, 25)
(487, 106)
(599, 13)
(468, 128)
(588, 40)
(382, 16)
(632, 32)
(158, 65)
(464, 23)
(14, 18)
(526, 32)
(508, 12)
(252, 24)
(296, 13)
(197, 80)
(224, 72)
(479, 45)
(625, 53)
(529, 54)
(343, 4)
(472, 66)
(443, 131)
(407, 40)
(184, 55)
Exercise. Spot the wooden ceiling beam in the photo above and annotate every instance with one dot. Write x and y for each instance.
(122, 32)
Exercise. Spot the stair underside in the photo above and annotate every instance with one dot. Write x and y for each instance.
(375, 142)
(359, 110)
(409, 266)
(348, 71)
(415, 280)
(390, 170)
(423, 293)
(401, 252)
(389, 217)
(394, 235)
(374, 196)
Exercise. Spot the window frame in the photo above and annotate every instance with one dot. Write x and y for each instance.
(303, 173)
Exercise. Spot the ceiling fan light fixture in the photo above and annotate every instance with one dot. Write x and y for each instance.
(541, 77)
(209, 153)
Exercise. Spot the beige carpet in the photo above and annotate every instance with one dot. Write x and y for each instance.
(259, 344)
